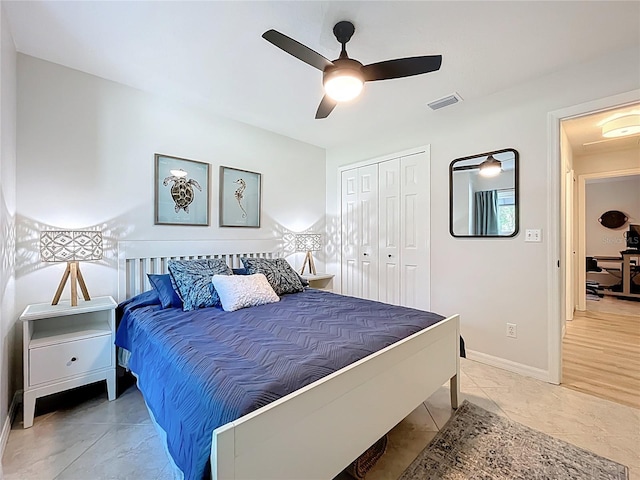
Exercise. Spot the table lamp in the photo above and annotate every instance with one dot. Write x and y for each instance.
(308, 242)
(71, 246)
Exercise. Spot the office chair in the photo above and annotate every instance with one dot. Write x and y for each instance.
(593, 287)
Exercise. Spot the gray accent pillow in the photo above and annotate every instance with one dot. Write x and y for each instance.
(281, 277)
(193, 281)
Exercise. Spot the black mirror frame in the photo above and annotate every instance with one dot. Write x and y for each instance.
(516, 193)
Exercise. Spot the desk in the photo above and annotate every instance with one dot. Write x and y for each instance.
(626, 272)
(625, 257)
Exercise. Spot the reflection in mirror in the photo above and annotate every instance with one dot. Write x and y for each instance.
(483, 195)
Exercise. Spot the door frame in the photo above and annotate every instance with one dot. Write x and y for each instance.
(556, 273)
(582, 229)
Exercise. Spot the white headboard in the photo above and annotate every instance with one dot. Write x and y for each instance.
(136, 258)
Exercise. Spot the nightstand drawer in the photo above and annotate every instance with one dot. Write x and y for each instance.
(55, 362)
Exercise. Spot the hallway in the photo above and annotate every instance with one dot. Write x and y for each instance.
(601, 351)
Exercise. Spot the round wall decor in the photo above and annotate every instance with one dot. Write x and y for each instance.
(613, 219)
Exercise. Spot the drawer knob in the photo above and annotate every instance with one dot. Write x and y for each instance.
(73, 359)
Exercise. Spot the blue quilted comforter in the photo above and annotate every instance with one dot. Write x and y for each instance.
(201, 369)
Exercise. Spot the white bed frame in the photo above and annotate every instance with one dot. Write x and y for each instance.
(315, 432)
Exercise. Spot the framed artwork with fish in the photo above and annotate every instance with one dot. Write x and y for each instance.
(181, 191)
(240, 193)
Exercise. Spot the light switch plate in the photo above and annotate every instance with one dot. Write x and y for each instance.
(533, 235)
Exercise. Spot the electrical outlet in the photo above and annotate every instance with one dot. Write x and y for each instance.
(511, 330)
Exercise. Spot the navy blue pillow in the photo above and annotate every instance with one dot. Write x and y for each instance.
(162, 284)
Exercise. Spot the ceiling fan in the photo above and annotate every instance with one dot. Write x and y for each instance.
(344, 77)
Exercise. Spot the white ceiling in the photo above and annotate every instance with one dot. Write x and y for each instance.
(585, 133)
(212, 54)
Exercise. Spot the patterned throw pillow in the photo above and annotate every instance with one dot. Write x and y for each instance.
(243, 271)
(193, 281)
(281, 276)
(241, 291)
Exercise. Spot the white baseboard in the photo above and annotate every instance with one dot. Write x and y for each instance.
(11, 415)
(509, 365)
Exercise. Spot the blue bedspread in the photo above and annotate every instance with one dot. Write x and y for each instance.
(201, 369)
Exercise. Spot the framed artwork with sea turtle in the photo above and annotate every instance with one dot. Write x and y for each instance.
(240, 193)
(181, 191)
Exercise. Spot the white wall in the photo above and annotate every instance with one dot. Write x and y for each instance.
(618, 193)
(606, 162)
(462, 201)
(7, 221)
(86, 158)
(494, 281)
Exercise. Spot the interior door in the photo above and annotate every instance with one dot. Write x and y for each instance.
(570, 253)
(367, 239)
(349, 228)
(415, 277)
(389, 231)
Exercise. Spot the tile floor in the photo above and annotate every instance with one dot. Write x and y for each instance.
(97, 439)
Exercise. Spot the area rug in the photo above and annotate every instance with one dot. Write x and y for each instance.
(476, 444)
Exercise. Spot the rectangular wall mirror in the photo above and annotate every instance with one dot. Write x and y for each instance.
(483, 195)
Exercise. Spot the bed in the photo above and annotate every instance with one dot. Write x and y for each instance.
(290, 432)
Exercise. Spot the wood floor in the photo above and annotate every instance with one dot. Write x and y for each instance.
(601, 351)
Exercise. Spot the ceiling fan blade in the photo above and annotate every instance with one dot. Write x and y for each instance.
(296, 49)
(401, 67)
(326, 107)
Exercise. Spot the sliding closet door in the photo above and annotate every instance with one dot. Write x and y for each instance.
(415, 267)
(368, 232)
(350, 228)
(389, 228)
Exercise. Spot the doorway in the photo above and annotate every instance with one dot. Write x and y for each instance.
(599, 351)
(556, 317)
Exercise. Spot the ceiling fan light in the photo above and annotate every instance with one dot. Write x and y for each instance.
(344, 86)
(490, 167)
(622, 126)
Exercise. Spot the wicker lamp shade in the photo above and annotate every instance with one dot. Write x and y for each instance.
(308, 242)
(71, 246)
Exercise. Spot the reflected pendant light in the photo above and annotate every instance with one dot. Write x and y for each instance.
(490, 167)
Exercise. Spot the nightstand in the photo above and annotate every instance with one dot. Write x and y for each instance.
(66, 347)
(321, 281)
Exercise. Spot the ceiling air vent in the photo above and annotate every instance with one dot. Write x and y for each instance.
(445, 101)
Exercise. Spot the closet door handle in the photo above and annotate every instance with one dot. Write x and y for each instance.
(365, 254)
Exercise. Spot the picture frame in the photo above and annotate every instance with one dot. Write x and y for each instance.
(181, 191)
(240, 197)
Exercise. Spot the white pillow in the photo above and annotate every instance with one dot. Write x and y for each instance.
(240, 291)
